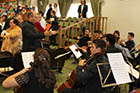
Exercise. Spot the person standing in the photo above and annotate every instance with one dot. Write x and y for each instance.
(82, 9)
(54, 27)
(42, 21)
(48, 15)
(55, 7)
(31, 37)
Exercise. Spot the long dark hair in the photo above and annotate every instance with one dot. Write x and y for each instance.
(41, 68)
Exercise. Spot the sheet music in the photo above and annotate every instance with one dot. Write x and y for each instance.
(132, 71)
(27, 57)
(119, 68)
(76, 53)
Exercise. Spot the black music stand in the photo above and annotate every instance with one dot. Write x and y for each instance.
(106, 75)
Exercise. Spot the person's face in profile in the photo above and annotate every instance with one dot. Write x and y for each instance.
(86, 32)
(92, 48)
(116, 35)
(129, 37)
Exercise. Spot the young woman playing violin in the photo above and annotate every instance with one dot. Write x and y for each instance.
(37, 79)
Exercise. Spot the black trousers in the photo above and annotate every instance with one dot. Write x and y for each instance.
(53, 39)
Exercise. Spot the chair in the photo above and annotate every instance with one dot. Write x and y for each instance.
(7, 60)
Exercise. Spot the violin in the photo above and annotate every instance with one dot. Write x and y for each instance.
(71, 82)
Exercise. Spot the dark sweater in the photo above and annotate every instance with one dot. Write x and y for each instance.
(31, 37)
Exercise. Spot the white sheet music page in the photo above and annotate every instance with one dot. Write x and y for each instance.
(76, 53)
(119, 68)
(27, 57)
(132, 71)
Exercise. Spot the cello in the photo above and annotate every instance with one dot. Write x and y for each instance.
(71, 82)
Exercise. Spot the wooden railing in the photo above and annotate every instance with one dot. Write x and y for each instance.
(69, 33)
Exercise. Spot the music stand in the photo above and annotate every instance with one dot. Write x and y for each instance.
(107, 79)
(104, 77)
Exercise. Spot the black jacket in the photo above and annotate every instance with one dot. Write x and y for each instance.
(31, 37)
(112, 49)
(55, 24)
(48, 15)
(90, 78)
(84, 12)
(130, 44)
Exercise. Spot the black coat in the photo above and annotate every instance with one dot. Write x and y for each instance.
(48, 15)
(31, 37)
(84, 12)
(55, 24)
(130, 44)
(112, 49)
(90, 78)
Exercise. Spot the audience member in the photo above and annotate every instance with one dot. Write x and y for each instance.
(20, 20)
(55, 7)
(23, 13)
(7, 23)
(54, 27)
(48, 15)
(42, 21)
(38, 25)
(12, 38)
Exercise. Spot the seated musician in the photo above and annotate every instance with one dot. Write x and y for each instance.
(117, 35)
(137, 59)
(110, 41)
(98, 34)
(85, 38)
(88, 79)
(130, 43)
(37, 79)
(83, 42)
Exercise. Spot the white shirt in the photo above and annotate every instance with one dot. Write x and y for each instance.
(82, 6)
(43, 22)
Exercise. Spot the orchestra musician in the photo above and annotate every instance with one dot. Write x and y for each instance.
(135, 62)
(130, 43)
(86, 78)
(37, 79)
